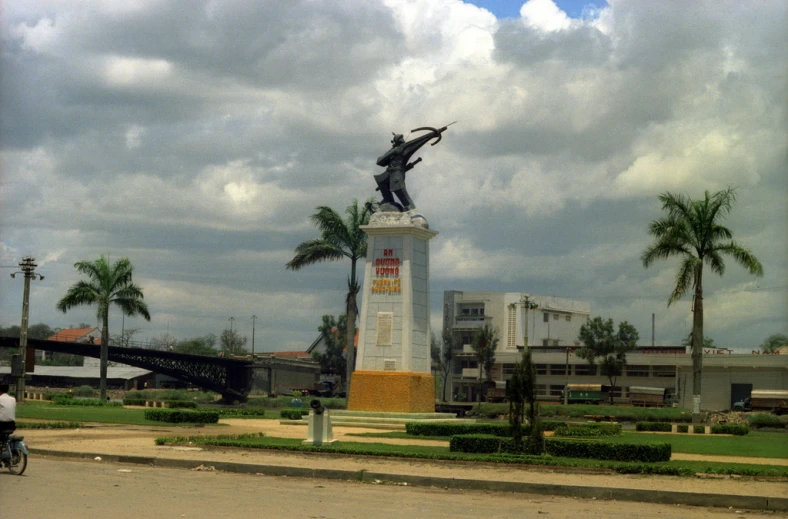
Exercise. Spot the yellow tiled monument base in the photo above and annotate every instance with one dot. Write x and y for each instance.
(392, 392)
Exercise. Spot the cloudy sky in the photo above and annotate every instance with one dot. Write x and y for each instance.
(196, 138)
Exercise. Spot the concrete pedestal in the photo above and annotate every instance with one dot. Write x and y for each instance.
(319, 429)
(393, 360)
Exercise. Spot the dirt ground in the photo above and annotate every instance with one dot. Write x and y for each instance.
(139, 441)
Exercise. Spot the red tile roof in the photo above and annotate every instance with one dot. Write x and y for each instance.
(76, 334)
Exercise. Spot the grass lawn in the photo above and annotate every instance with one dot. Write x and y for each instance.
(757, 444)
(686, 468)
(116, 415)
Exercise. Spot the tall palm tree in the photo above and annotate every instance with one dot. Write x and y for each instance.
(485, 342)
(339, 239)
(691, 230)
(106, 285)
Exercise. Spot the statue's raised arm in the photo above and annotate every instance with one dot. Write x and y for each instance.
(392, 181)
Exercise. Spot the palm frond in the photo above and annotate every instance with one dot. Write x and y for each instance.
(132, 306)
(81, 293)
(314, 251)
(684, 278)
(715, 262)
(742, 256)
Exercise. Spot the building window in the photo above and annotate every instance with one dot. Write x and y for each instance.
(546, 317)
(664, 371)
(508, 369)
(544, 342)
(555, 317)
(568, 318)
(585, 370)
(556, 390)
(637, 371)
(541, 390)
(511, 328)
(541, 369)
(557, 369)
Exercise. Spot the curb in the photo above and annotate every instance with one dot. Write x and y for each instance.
(585, 492)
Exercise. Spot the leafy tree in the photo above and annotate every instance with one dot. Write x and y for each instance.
(708, 342)
(332, 360)
(602, 342)
(205, 345)
(106, 285)
(165, 342)
(692, 231)
(124, 339)
(484, 344)
(339, 239)
(774, 342)
(232, 343)
(521, 389)
(442, 353)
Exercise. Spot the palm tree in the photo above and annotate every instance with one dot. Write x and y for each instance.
(339, 239)
(107, 284)
(691, 230)
(484, 344)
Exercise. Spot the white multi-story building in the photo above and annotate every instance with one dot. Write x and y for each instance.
(552, 331)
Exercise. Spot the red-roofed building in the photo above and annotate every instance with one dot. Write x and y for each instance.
(85, 335)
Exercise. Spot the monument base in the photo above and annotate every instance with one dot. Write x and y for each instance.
(392, 392)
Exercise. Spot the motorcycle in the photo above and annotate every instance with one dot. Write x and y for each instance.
(13, 453)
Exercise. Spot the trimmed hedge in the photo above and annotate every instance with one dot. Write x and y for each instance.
(451, 429)
(590, 429)
(699, 429)
(653, 426)
(600, 450)
(293, 413)
(729, 428)
(48, 425)
(133, 400)
(181, 416)
(89, 402)
(682, 428)
(241, 412)
(181, 404)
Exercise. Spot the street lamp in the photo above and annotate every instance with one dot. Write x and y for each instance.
(528, 304)
(28, 267)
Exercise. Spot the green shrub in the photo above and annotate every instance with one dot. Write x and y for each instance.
(84, 391)
(765, 420)
(699, 429)
(48, 425)
(601, 450)
(293, 413)
(241, 412)
(450, 429)
(653, 426)
(133, 400)
(551, 425)
(589, 429)
(682, 428)
(481, 443)
(90, 402)
(181, 416)
(52, 396)
(181, 404)
(729, 428)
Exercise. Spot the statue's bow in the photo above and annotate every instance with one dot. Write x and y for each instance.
(429, 128)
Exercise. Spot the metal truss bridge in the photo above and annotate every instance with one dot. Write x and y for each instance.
(230, 377)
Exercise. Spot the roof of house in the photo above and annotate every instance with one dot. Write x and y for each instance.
(113, 372)
(297, 354)
(76, 334)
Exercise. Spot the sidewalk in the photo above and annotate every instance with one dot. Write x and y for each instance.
(135, 445)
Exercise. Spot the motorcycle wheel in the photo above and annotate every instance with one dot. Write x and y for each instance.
(18, 462)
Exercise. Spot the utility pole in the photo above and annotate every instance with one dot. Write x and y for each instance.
(254, 317)
(28, 267)
(231, 338)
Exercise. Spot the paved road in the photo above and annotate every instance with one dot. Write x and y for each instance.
(54, 488)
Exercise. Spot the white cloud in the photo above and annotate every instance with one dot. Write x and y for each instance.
(544, 15)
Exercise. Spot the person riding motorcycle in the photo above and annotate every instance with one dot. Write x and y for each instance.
(7, 411)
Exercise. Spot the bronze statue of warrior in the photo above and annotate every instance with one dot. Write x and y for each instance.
(392, 181)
